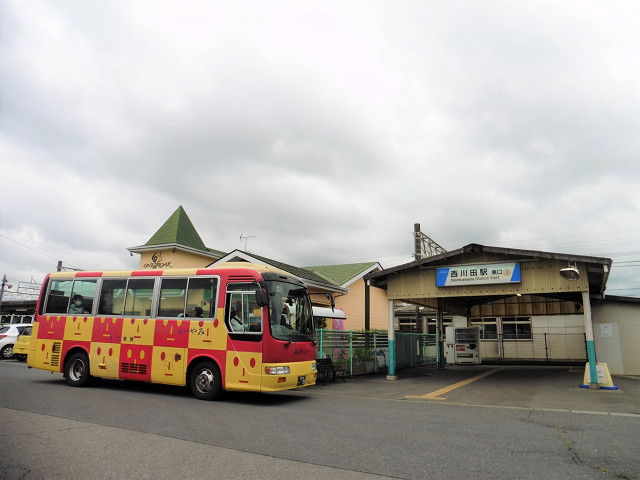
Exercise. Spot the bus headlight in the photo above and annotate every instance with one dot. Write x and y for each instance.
(314, 367)
(277, 370)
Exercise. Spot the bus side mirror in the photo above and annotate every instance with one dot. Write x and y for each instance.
(262, 298)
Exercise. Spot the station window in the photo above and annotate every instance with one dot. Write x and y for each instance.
(516, 328)
(488, 327)
(432, 325)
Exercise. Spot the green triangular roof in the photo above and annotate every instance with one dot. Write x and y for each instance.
(340, 274)
(178, 229)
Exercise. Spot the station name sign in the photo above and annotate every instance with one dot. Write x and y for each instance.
(478, 274)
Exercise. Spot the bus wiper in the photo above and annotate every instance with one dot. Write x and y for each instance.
(288, 343)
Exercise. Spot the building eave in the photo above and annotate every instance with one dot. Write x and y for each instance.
(169, 246)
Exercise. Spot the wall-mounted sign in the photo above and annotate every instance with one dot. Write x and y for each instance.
(478, 274)
(605, 330)
(157, 262)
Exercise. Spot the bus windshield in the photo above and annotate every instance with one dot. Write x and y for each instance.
(290, 316)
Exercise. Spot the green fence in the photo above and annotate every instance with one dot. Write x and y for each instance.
(368, 352)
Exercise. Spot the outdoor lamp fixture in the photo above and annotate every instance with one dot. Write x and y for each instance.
(570, 272)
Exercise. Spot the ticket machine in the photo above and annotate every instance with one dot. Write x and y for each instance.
(463, 345)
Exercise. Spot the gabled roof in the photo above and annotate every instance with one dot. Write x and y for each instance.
(310, 277)
(344, 274)
(598, 268)
(178, 229)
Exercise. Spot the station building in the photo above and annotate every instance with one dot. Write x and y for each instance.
(528, 306)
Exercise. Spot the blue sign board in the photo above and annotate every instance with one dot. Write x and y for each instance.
(478, 274)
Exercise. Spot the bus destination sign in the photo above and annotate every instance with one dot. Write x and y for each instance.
(478, 274)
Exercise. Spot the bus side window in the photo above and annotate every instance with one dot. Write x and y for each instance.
(172, 296)
(87, 289)
(139, 297)
(243, 315)
(112, 297)
(202, 293)
(59, 295)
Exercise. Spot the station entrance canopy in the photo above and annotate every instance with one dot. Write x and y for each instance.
(476, 274)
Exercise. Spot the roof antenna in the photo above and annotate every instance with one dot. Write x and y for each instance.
(245, 238)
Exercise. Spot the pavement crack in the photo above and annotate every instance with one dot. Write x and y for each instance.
(570, 446)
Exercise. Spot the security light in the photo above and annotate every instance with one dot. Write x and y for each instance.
(570, 273)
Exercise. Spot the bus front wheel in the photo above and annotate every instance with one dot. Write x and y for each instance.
(205, 380)
(76, 370)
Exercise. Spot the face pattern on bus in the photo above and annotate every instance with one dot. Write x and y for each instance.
(168, 365)
(44, 353)
(210, 334)
(105, 359)
(138, 331)
(52, 327)
(135, 362)
(78, 328)
(107, 330)
(243, 369)
(172, 333)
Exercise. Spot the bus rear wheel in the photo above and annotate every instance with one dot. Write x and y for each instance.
(76, 370)
(205, 380)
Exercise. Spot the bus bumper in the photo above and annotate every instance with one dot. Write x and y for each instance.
(302, 374)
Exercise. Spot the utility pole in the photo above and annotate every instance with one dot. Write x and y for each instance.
(59, 266)
(423, 247)
(4, 282)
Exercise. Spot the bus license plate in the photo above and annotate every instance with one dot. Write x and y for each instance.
(302, 380)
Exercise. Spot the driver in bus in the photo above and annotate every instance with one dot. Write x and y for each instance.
(235, 321)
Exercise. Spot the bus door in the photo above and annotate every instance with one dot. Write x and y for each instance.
(243, 318)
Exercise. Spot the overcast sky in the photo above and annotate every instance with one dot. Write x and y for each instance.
(325, 130)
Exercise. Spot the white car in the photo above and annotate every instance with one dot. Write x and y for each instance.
(8, 336)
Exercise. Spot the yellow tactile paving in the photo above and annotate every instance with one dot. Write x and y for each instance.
(435, 395)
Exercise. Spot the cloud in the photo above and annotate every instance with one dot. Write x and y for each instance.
(324, 129)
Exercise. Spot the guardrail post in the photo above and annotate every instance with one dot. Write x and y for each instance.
(351, 352)
(391, 374)
(546, 348)
(375, 350)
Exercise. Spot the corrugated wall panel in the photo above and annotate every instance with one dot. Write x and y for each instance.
(537, 277)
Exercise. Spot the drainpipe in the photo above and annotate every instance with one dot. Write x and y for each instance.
(392, 345)
(591, 349)
(367, 305)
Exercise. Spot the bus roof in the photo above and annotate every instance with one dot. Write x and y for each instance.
(244, 266)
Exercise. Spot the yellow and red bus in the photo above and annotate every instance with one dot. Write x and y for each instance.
(238, 326)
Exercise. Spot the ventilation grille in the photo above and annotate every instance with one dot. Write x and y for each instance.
(134, 368)
(241, 278)
(55, 354)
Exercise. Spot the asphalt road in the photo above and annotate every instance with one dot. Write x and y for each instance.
(131, 430)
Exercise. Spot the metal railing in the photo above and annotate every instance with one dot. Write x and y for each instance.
(360, 352)
(537, 347)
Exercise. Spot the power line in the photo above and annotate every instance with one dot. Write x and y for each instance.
(37, 251)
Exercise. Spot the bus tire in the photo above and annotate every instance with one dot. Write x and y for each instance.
(76, 370)
(21, 357)
(205, 380)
